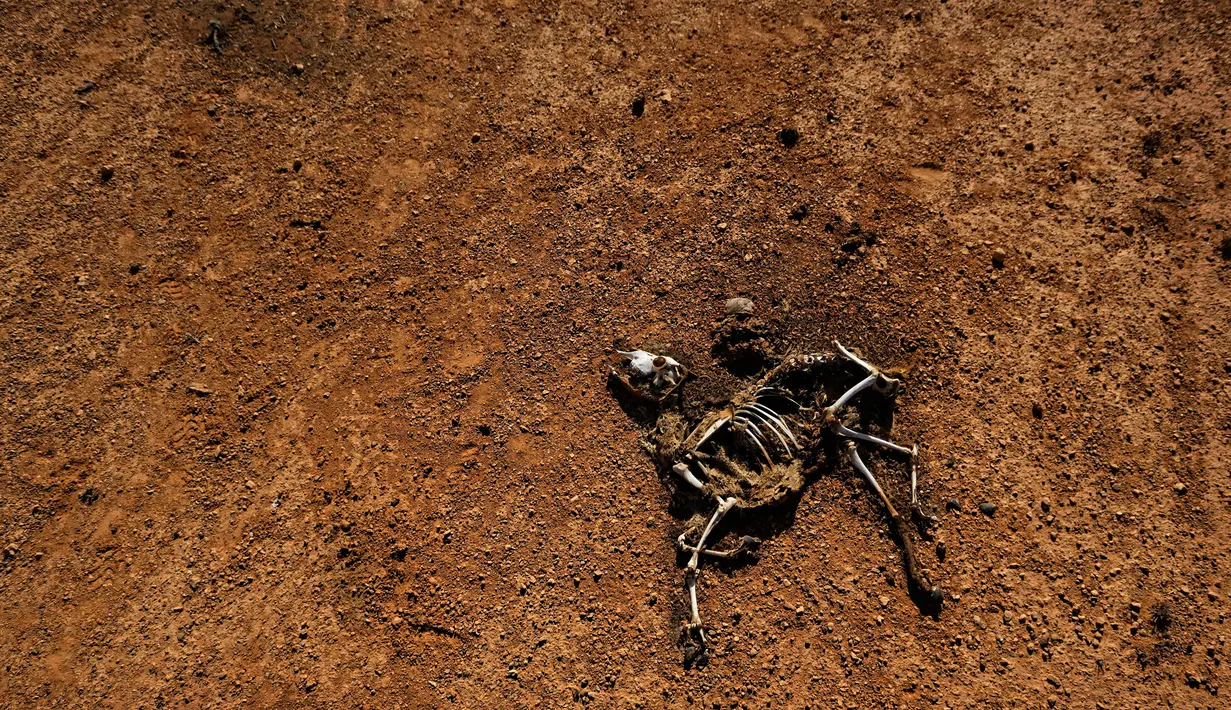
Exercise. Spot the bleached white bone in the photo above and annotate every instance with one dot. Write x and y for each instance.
(871, 370)
(683, 471)
(914, 480)
(854, 390)
(646, 364)
(776, 419)
(691, 573)
(711, 431)
(852, 434)
(754, 433)
(748, 410)
(852, 454)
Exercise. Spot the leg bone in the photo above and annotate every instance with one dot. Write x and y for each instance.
(852, 434)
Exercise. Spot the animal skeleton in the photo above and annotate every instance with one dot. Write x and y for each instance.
(758, 450)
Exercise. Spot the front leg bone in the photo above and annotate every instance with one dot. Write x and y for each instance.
(747, 543)
(691, 573)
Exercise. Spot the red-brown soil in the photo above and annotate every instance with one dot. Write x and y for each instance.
(302, 345)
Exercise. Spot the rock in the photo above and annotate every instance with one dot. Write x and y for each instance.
(988, 509)
(1180, 488)
(788, 137)
(941, 550)
(106, 172)
(1037, 410)
(739, 307)
(953, 504)
(199, 390)
(297, 68)
(998, 257)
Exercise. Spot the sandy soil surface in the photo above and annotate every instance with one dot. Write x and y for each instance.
(302, 344)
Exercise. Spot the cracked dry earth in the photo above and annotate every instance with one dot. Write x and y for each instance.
(302, 347)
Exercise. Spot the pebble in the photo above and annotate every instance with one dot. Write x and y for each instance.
(297, 68)
(953, 504)
(941, 550)
(998, 257)
(106, 173)
(739, 307)
(1180, 488)
(988, 509)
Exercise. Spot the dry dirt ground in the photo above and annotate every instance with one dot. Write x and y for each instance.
(302, 345)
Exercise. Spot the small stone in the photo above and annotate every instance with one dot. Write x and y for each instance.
(788, 137)
(1037, 410)
(200, 390)
(395, 622)
(988, 509)
(941, 550)
(1180, 488)
(1134, 607)
(106, 173)
(739, 307)
(953, 504)
(998, 257)
(297, 165)
(722, 226)
(297, 68)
